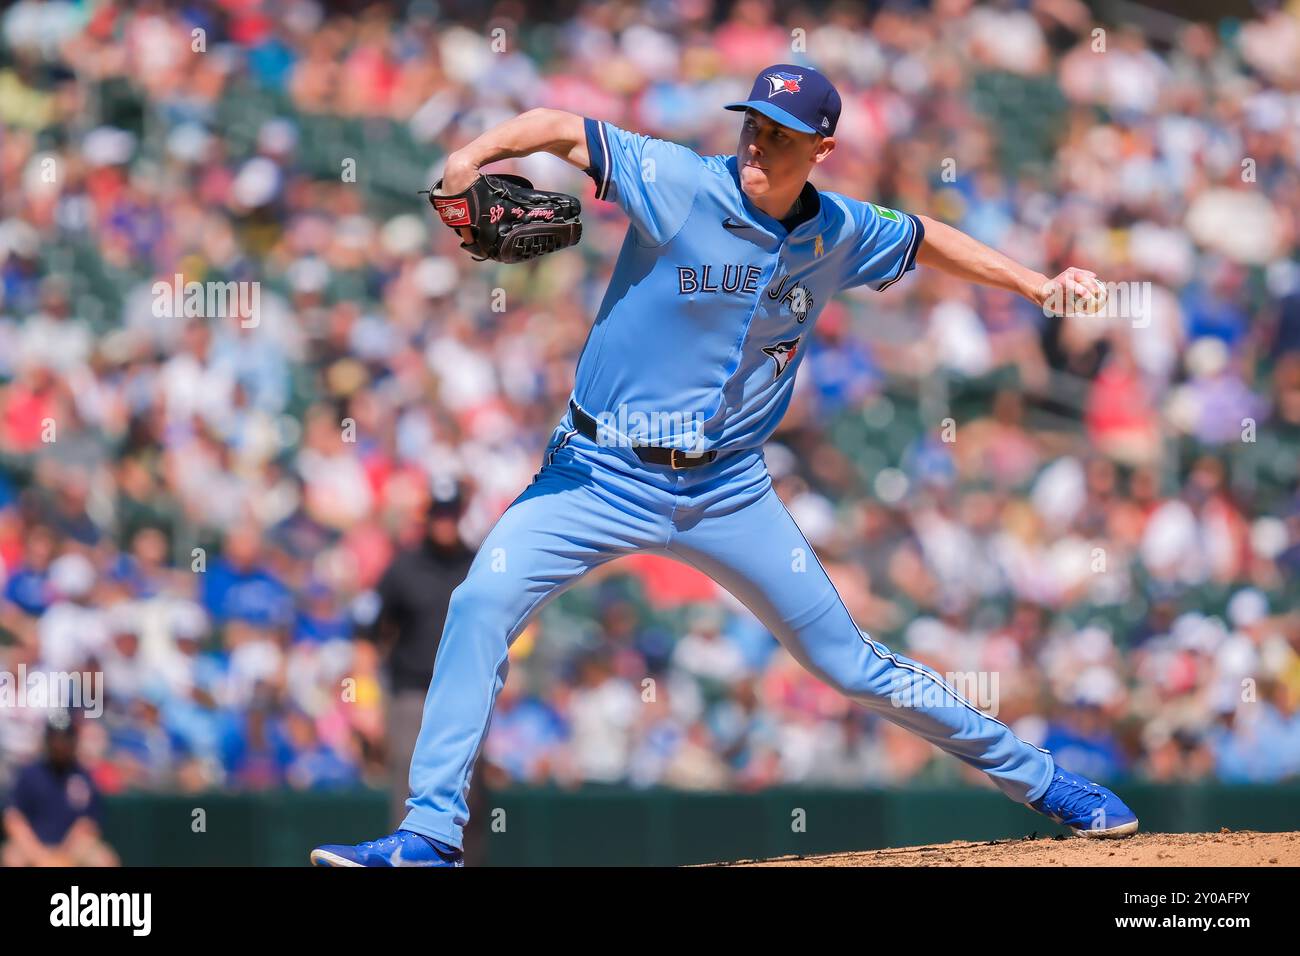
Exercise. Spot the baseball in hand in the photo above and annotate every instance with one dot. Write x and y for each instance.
(1074, 292)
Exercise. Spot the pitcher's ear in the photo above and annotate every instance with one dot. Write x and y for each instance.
(824, 149)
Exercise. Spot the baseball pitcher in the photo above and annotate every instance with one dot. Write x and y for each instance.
(688, 368)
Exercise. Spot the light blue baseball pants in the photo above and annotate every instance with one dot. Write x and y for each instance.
(592, 503)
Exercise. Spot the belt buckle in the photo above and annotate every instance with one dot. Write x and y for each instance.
(698, 458)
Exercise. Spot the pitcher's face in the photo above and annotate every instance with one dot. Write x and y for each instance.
(772, 158)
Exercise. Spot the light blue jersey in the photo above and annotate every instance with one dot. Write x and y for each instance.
(712, 303)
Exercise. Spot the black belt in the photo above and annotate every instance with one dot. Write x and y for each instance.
(674, 458)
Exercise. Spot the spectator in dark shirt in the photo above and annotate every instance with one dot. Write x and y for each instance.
(1286, 335)
(414, 592)
(55, 814)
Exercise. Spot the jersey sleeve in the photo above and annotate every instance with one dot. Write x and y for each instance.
(885, 246)
(652, 180)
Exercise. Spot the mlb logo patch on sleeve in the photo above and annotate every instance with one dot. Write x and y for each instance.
(886, 213)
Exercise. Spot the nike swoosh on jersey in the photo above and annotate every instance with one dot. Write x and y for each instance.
(731, 223)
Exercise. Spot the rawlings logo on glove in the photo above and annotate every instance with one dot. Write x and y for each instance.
(454, 213)
(509, 220)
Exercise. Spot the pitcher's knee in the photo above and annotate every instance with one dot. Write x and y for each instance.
(469, 602)
(480, 607)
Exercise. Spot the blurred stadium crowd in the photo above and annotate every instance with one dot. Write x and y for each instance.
(1100, 513)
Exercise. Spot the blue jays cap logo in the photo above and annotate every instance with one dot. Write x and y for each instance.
(782, 82)
(812, 106)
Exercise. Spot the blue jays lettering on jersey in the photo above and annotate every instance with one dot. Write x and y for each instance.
(712, 302)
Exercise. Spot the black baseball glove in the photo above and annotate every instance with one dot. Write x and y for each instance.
(509, 219)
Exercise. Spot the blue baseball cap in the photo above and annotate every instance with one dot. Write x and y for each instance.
(795, 96)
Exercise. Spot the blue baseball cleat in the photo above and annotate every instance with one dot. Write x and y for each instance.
(1087, 808)
(403, 848)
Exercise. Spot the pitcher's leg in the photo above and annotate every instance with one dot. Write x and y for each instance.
(758, 554)
(559, 528)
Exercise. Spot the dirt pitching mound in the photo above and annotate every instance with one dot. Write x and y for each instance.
(1225, 848)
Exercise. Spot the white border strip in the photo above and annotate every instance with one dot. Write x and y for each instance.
(908, 259)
